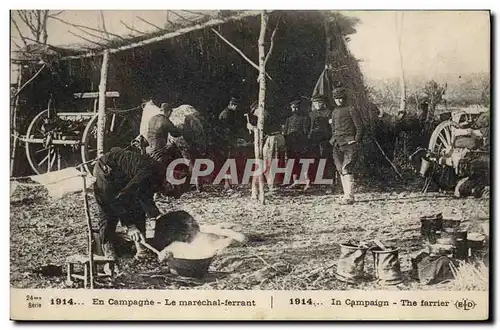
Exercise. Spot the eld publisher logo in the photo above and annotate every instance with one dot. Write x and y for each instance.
(465, 304)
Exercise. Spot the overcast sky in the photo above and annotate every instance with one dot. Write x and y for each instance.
(432, 42)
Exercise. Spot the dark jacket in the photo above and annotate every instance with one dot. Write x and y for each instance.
(346, 126)
(320, 128)
(231, 123)
(125, 176)
(297, 126)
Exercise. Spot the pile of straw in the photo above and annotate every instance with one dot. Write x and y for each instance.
(470, 277)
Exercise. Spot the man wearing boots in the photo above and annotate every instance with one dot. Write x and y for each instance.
(231, 123)
(320, 132)
(347, 129)
(124, 188)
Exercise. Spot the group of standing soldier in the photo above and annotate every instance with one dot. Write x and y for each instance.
(323, 134)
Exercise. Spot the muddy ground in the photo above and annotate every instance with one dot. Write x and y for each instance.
(295, 233)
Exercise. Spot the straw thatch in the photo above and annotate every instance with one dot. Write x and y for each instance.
(187, 63)
(191, 64)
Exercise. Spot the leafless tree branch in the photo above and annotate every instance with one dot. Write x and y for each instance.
(87, 27)
(88, 40)
(25, 17)
(147, 22)
(92, 34)
(197, 13)
(15, 43)
(45, 34)
(30, 80)
(57, 13)
(131, 28)
(19, 31)
(38, 18)
(272, 42)
(103, 21)
(181, 17)
(239, 51)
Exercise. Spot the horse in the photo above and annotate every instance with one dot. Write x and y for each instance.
(192, 143)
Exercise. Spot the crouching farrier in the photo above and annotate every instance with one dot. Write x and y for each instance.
(125, 184)
(347, 132)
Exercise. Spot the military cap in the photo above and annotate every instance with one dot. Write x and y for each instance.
(234, 100)
(295, 102)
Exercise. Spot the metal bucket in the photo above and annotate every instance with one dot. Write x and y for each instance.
(476, 245)
(461, 250)
(462, 234)
(387, 266)
(425, 166)
(451, 224)
(448, 237)
(351, 263)
(430, 226)
(196, 268)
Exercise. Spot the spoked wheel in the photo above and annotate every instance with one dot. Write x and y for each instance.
(119, 132)
(441, 142)
(442, 137)
(43, 154)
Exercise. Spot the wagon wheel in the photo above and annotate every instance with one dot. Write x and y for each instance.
(441, 137)
(52, 157)
(119, 132)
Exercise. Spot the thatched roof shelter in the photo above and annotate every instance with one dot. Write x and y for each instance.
(187, 62)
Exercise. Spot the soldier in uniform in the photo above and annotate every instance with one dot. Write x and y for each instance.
(296, 131)
(347, 132)
(125, 184)
(231, 123)
(320, 131)
(477, 162)
(159, 127)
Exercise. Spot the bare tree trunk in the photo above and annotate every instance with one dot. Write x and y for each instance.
(45, 35)
(101, 119)
(264, 18)
(255, 188)
(402, 101)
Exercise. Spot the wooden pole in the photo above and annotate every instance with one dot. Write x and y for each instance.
(101, 119)
(14, 119)
(89, 230)
(264, 18)
(399, 30)
(239, 52)
(19, 89)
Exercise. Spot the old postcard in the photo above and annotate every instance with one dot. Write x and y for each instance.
(250, 165)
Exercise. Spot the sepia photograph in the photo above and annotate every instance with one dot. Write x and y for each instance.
(250, 150)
